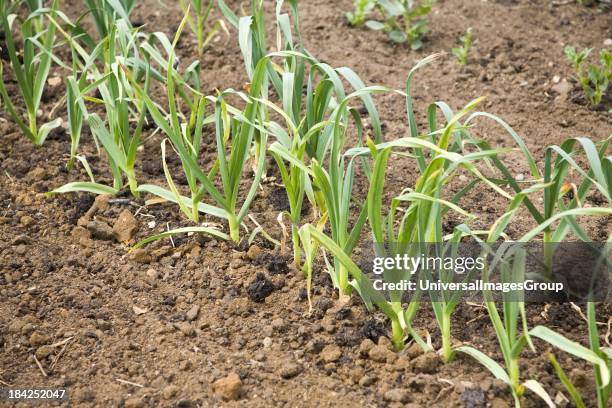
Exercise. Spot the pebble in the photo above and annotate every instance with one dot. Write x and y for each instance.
(290, 370)
(228, 388)
(152, 274)
(138, 310)
(367, 380)
(608, 42)
(562, 88)
(267, 342)
(192, 314)
(331, 353)
(125, 226)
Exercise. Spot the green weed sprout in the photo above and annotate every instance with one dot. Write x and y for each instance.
(595, 79)
(466, 44)
(30, 67)
(357, 17)
(198, 25)
(405, 21)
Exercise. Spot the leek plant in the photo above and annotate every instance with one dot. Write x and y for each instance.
(105, 13)
(118, 138)
(512, 342)
(199, 23)
(30, 66)
(235, 132)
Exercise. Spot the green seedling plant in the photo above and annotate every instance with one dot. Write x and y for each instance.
(405, 21)
(362, 8)
(199, 23)
(463, 51)
(106, 12)
(117, 136)
(595, 79)
(30, 67)
(512, 342)
(235, 132)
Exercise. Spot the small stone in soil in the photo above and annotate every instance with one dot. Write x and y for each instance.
(290, 370)
(192, 314)
(228, 388)
(260, 288)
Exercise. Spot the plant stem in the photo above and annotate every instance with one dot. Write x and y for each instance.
(297, 253)
(447, 348)
(234, 227)
(131, 175)
(397, 334)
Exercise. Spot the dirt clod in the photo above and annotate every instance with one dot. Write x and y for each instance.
(100, 230)
(473, 398)
(331, 353)
(427, 363)
(397, 395)
(260, 288)
(125, 227)
(228, 388)
(141, 255)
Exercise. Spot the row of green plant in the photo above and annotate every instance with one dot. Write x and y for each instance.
(304, 114)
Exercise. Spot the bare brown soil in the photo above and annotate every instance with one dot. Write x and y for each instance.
(183, 314)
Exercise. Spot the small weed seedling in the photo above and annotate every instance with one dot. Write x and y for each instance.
(405, 21)
(466, 44)
(30, 66)
(199, 24)
(357, 17)
(595, 79)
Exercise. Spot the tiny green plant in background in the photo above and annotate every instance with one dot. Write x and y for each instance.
(199, 23)
(405, 21)
(594, 80)
(463, 51)
(30, 65)
(357, 17)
